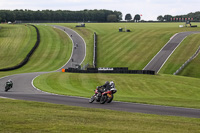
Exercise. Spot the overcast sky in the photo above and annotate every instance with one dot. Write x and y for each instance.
(150, 9)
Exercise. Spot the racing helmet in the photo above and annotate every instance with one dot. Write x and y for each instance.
(107, 82)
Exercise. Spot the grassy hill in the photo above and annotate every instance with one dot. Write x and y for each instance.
(53, 52)
(126, 49)
(144, 41)
(15, 43)
(192, 69)
(134, 49)
(157, 89)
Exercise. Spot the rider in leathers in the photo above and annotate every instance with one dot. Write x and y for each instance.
(105, 87)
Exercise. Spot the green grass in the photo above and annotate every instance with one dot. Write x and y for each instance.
(53, 52)
(22, 116)
(192, 69)
(15, 43)
(134, 49)
(158, 89)
(187, 48)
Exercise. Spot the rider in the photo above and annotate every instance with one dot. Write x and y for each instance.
(107, 86)
(9, 82)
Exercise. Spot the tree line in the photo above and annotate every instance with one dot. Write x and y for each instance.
(60, 15)
(179, 18)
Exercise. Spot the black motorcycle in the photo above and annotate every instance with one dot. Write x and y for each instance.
(8, 86)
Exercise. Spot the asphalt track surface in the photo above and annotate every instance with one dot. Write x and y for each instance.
(162, 56)
(24, 90)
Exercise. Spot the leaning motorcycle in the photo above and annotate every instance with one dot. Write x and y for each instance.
(103, 96)
(8, 86)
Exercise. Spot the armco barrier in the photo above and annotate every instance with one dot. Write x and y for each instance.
(112, 70)
(28, 55)
(188, 61)
(95, 51)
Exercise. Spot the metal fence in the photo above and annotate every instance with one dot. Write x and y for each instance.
(188, 61)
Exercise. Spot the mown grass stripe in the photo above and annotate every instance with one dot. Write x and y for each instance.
(13, 45)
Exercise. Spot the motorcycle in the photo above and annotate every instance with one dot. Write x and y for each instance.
(103, 96)
(8, 86)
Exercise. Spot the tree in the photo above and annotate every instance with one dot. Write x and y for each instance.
(167, 18)
(112, 18)
(128, 17)
(160, 18)
(137, 18)
(119, 15)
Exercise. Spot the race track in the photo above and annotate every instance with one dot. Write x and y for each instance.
(162, 56)
(24, 90)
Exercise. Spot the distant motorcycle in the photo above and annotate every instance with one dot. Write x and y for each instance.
(8, 85)
(103, 96)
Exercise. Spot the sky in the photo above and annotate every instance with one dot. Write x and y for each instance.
(150, 9)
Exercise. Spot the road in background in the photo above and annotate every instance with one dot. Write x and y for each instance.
(162, 56)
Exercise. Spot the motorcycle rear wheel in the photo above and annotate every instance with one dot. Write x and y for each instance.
(103, 99)
(92, 99)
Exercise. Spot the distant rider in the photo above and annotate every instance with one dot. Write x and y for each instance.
(10, 83)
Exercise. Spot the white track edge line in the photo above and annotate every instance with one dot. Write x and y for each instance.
(171, 54)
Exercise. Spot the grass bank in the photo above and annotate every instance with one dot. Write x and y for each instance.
(23, 117)
(159, 89)
(128, 49)
(15, 43)
(192, 69)
(52, 53)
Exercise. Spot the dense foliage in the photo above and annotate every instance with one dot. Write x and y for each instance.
(59, 15)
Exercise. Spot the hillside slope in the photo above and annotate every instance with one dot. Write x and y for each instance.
(15, 43)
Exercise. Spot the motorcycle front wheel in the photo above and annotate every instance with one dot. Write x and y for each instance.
(110, 98)
(7, 88)
(103, 99)
(92, 99)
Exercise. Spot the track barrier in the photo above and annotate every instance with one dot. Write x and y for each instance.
(188, 61)
(27, 56)
(122, 70)
(95, 51)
